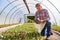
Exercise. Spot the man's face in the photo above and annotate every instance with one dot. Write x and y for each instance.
(38, 7)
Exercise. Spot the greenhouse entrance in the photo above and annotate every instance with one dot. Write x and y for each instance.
(30, 19)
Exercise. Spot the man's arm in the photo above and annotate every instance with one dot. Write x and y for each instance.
(36, 16)
(46, 18)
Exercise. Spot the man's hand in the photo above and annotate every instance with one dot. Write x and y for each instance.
(42, 21)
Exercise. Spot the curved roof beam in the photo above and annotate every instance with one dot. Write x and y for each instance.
(11, 10)
(14, 13)
(7, 6)
(54, 6)
(15, 16)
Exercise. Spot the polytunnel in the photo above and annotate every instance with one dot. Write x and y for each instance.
(14, 11)
(17, 20)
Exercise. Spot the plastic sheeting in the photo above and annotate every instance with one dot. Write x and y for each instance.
(12, 11)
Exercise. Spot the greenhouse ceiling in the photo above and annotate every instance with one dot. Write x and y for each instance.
(12, 11)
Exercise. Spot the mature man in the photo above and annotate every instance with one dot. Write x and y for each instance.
(42, 16)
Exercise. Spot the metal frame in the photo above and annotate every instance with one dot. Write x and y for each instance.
(54, 6)
(31, 3)
(7, 6)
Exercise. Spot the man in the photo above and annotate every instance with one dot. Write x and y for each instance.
(42, 16)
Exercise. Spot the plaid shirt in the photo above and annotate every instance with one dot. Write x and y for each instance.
(43, 15)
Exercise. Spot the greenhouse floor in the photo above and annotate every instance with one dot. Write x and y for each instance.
(6, 28)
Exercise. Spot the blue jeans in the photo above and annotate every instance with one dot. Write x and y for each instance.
(48, 27)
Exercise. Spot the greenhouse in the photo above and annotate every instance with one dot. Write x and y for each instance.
(21, 14)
